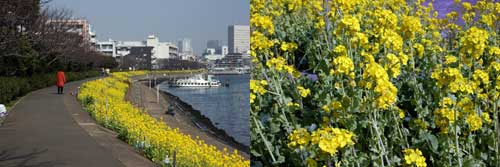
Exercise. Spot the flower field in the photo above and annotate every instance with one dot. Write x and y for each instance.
(104, 100)
(374, 83)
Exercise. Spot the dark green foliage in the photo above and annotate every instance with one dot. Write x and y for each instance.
(14, 87)
(29, 45)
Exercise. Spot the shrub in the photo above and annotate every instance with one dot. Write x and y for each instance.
(15, 87)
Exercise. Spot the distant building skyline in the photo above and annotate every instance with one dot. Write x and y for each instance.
(238, 38)
(216, 44)
(131, 20)
(184, 46)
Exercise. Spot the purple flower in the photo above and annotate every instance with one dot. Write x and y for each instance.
(311, 76)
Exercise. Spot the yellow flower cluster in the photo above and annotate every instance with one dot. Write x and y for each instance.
(279, 64)
(257, 87)
(344, 65)
(474, 122)
(393, 65)
(303, 91)
(495, 51)
(449, 59)
(288, 46)
(263, 22)
(474, 42)
(334, 104)
(393, 40)
(260, 41)
(331, 140)
(444, 117)
(420, 49)
(350, 24)
(104, 99)
(387, 92)
(299, 138)
(453, 77)
(386, 18)
(481, 77)
(414, 156)
(486, 117)
(359, 39)
(410, 26)
(292, 104)
(340, 50)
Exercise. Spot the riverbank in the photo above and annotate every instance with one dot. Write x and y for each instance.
(203, 123)
(184, 119)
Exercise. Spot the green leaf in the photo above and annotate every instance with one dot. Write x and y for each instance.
(432, 141)
(473, 163)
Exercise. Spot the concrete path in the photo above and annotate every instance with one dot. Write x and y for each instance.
(46, 129)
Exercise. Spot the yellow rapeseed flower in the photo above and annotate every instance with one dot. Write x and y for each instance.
(474, 122)
(303, 91)
(414, 156)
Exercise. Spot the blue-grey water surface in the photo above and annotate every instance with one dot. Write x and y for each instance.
(227, 107)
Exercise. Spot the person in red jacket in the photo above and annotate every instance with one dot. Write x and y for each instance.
(61, 79)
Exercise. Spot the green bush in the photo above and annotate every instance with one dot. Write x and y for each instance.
(14, 87)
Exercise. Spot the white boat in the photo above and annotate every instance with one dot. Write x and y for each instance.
(196, 81)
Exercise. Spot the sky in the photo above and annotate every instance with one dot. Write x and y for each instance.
(170, 20)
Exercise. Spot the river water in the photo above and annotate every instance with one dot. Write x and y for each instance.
(227, 107)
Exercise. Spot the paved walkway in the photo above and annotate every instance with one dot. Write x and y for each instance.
(46, 129)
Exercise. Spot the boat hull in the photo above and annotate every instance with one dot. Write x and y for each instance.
(177, 85)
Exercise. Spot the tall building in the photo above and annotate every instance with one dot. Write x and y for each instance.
(216, 44)
(184, 46)
(239, 38)
(185, 49)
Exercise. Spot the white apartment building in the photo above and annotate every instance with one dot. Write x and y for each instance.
(239, 38)
(162, 50)
(123, 47)
(106, 47)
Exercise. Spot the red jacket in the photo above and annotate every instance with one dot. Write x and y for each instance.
(61, 79)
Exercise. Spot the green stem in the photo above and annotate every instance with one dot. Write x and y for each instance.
(495, 116)
(380, 142)
(264, 139)
(456, 139)
(355, 156)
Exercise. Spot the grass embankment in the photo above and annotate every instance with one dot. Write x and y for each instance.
(104, 100)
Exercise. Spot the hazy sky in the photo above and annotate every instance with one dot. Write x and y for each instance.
(199, 20)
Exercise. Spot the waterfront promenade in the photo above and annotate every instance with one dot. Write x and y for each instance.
(144, 97)
(48, 129)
